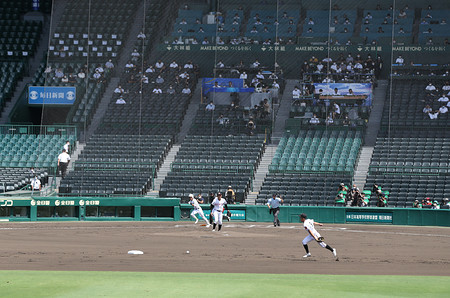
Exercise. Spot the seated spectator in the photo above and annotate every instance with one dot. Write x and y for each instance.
(119, 90)
(243, 75)
(329, 120)
(427, 109)
(417, 204)
(174, 65)
(430, 87)
(443, 109)
(255, 64)
(109, 64)
(159, 80)
(120, 101)
(186, 90)
(314, 120)
(222, 120)
(251, 126)
(443, 98)
(159, 65)
(400, 60)
(170, 90)
(220, 64)
(296, 93)
(150, 69)
(157, 90)
(210, 107)
(433, 115)
(189, 65)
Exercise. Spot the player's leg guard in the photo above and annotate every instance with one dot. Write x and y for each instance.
(220, 227)
(328, 247)
(214, 226)
(306, 248)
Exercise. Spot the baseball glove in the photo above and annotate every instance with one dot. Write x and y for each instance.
(320, 239)
(228, 213)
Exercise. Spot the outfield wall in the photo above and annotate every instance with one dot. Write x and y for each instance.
(170, 209)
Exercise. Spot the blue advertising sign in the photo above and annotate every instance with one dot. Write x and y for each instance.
(224, 85)
(51, 95)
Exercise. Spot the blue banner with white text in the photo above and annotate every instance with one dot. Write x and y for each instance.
(49, 95)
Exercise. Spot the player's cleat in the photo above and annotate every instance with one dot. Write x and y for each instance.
(228, 218)
(307, 255)
(334, 252)
(274, 225)
(213, 230)
(196, 221)
(208, 225)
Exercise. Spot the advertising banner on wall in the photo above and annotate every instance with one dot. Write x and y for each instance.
(38, 95)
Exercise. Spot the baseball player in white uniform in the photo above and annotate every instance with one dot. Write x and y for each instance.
(218, 205)
(308, 224)
(197, 209)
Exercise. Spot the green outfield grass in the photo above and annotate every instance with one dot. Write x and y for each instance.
(150, 284)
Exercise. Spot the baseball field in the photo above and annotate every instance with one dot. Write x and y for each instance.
(243, 260)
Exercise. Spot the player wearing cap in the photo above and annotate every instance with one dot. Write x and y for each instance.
(197, 209)
(218, 204)
(274, 207)
(308, 224)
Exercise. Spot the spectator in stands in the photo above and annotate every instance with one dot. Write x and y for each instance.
(314, 120)
(210, 107)
(329, 120)
(427, 109)
(159, 66)
(205, 40)
(368, 16)
(430, 87)
(443, 22)
(251, 126)
(157, 90)
(159, 80)
(426, 202)
(59, 73)
(296, 93)
(230, 195)
(109, 64)
(443, 99)
(65, 79)
(170, 90)
(222, 120)
(416, 204)
(120, 101)
(150, 69)
(402, 14)
(336, 110)
(443, 109)
(327, 80)
(129, 67)
(186, 90)
(36, 184)
(433, 114)
(400, 60)
(174, 66)
(256, 64)
(189, 65)
(424, 22)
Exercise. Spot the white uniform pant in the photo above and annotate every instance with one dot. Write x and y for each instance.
(198, 211)
(310, 238)
(217, 217)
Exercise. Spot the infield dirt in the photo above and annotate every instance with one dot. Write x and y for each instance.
(238, 248)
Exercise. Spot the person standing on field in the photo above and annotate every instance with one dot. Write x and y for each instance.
(308, 224)
(274, 208)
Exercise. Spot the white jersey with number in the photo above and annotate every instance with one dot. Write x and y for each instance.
(308, 224)
(219, 204)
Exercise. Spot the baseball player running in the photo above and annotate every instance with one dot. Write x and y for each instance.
(197, 209)
(308, 224)
(218, 205)
(274, 207)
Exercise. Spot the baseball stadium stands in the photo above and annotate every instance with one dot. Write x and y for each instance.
(211, 163)
(116, 165)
